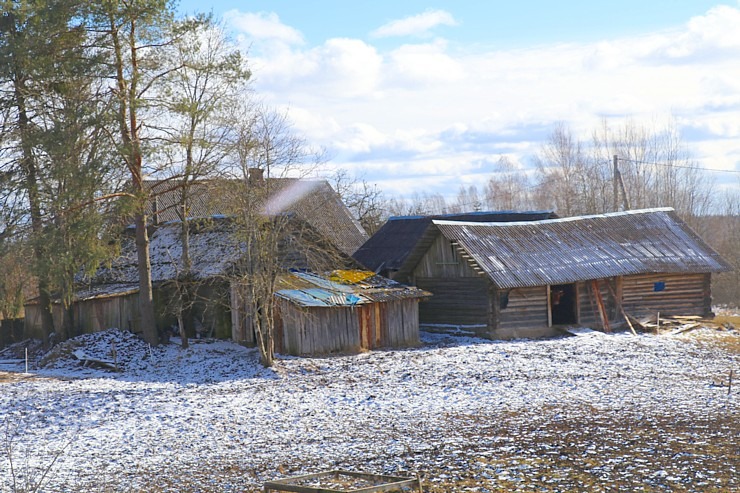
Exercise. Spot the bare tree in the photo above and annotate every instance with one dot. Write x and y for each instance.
(419, 204)
(656, 167)
(563, 177)
(198, 99)
(364, 200)
(722, 231)
(260, 195)
(508, 187)
(577, 178)
(468, 200)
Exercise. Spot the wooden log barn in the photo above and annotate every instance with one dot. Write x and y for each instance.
(524, 279)
(386, 251)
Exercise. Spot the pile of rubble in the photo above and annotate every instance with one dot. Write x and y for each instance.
(678, 324)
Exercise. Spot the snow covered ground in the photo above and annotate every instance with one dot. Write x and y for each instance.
(594, 412)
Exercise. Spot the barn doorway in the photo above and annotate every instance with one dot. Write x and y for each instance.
(563, 304)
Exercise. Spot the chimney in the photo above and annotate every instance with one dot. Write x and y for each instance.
(155, 212)
(256, 176)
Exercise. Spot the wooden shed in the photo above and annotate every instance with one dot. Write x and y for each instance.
(95, 309)
(522, 279)
(348, 312)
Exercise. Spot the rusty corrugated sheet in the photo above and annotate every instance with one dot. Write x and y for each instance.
(307, 289)
(574, 249)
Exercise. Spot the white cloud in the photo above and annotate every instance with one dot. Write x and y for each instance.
(263, 26)
(421, 111)
(316, 127)
(424, 64)
(350, 66)
(718, 29)
(415, 25)
(339, 68)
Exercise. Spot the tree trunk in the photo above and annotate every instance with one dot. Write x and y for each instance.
(67, 327)
(47, 319)
(183, 334)
(146, 299)
(34, 200)
(265, 338)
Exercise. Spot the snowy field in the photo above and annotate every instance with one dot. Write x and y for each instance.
(588, 413)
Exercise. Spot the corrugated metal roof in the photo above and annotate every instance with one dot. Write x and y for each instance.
(557, 251)
(390, 246)
(311, 290)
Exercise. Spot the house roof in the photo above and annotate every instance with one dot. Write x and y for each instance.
(215, 250)
(389, 248)
(313, 201)
(558, 251)
(358, 288)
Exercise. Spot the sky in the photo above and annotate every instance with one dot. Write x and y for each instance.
(423, 96)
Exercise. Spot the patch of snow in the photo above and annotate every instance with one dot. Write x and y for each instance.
(213, 408)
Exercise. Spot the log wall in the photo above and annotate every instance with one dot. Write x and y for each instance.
(342, 329)
(460, 295)
(444, 260)
(525, 314)
(588, 314)
(454, 301)
(684, 294)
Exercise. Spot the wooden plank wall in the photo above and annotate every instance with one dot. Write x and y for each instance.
(318, 330)
(443, 260)
(455, 301)
(115, 312)
(527, 308)
(324, 330)
(684, 294)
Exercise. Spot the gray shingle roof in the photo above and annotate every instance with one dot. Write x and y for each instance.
(558, 251)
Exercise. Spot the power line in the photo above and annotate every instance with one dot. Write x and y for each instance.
(668, 165)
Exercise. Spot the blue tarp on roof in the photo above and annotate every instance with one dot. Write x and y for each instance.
(320, 297)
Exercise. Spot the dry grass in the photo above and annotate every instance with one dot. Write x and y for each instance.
(546, 451)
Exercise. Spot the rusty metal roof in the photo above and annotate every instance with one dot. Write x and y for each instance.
(311, 290)
(557, 251)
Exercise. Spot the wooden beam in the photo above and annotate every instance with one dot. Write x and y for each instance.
(600, 304)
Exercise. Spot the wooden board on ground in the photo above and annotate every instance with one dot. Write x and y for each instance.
(337, 481)
(582, 331)
(87, 360)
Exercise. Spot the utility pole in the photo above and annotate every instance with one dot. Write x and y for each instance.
(615, 206)
(619, 185)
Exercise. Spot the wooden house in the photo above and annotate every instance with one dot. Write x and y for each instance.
(347, 312)
(522, 279)
(109, 299)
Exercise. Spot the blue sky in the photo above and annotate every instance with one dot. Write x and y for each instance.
(425, 96)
